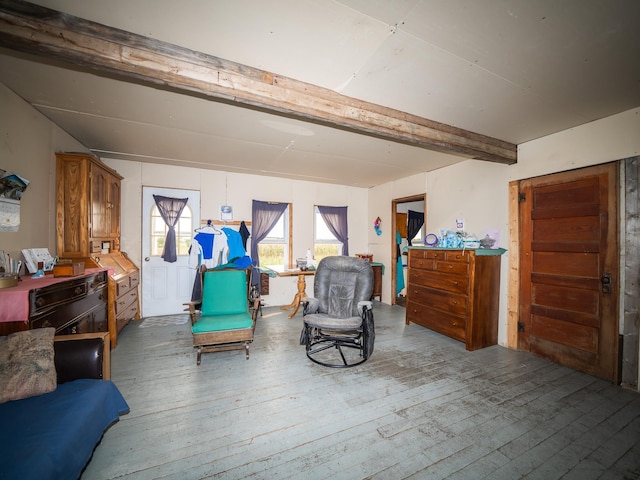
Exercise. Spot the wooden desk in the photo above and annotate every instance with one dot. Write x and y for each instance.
(302, 285)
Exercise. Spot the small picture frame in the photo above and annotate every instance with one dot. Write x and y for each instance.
(226, 213)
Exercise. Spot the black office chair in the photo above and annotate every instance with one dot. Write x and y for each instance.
(339, 318)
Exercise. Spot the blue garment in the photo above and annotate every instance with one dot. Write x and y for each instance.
(206, 242)
(234, 241)
(399, 272)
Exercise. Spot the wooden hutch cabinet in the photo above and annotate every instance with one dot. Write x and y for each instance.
(88, 223)
(88, 206)
(455, 293)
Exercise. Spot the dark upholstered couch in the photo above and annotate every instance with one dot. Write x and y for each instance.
(53, 435)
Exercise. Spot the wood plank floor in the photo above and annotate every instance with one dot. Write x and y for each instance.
(422, 407)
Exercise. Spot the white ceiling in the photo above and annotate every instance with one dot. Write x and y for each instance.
(515, 70)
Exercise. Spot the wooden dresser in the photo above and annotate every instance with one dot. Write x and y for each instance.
(70, 305)
(124, 304)
(455, 293)
(88, 223)
(377, 280)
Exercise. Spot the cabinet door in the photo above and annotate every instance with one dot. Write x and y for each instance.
(113, 208)
(100, 186)
(72, 206)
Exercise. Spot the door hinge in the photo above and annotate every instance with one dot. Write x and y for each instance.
(520, 327)
(522, 197)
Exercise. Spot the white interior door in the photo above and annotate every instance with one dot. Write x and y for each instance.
(166, 286)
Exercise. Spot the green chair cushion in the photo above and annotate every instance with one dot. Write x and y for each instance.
(224, 292)
(216, 323)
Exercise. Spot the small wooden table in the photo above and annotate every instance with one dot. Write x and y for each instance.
(302, 285)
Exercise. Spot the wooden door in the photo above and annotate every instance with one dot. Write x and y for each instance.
(569, 269)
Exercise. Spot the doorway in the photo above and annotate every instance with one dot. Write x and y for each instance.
(569, 264)
(166, 285)
(400, 230)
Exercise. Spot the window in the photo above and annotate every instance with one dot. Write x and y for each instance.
(274, 249)
(325, 244)
(418, 239)
(184, 232)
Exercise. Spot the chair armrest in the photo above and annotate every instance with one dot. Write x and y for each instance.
(192, 309)
(365, 304)
(82, 355)
(311, 305)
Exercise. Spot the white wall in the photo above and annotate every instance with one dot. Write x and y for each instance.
(218, 188)
(28, 142)
(478, 191)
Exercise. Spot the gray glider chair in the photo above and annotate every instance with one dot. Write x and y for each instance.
(338, 326)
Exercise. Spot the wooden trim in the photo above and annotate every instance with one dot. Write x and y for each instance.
(223, 222)
(513, 278)
(52, 34)
(394, 209)
(291, 262)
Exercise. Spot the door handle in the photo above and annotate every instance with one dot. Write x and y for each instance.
(605, 280)
(146, 259)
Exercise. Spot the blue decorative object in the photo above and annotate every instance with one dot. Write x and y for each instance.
(431, 240)
(376, 226)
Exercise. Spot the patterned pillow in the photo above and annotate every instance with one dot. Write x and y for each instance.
(27, 364)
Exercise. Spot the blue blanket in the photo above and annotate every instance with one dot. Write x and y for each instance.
(52, 436)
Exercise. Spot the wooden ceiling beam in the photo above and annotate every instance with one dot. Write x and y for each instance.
(48, 33)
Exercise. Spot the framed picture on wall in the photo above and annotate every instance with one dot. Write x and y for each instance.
(226, 213)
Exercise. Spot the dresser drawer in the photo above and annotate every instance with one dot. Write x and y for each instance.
(426, 254)
(441, 322)
(128, 312)
(422, 263)
(439, 280)
(123, 302)
(456, 304)
(126, 283)
(459, 268)
(457, 256)
(70, 313)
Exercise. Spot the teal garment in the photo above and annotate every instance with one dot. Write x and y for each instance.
(399, 271)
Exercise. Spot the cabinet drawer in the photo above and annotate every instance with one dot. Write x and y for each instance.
(427, 254)
(125, 300)
(439, 299)
(441, 322)
(71, 313)
(126, 283)
(134, 279)
(459, 268)
(457, 256)
(95, 247)
(52, 296)
(422, 263)
(439, 281)
(129, 312)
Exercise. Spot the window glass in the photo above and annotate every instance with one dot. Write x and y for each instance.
(184, 232)
(274, 248)
(419, 238)
(325, 243)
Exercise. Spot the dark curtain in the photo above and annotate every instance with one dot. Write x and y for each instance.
(336, 220)
(170, 210)
(264, 215)
(414, 223)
